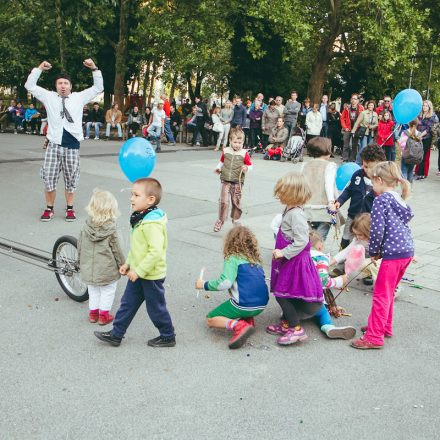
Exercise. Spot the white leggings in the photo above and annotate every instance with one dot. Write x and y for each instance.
(224, 139)
(102, 297)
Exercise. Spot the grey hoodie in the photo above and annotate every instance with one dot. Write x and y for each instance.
(100, 254)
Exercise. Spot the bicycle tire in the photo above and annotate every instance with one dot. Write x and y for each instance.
(77, 293)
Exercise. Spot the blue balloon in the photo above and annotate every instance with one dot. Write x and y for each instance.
(344, 173)
(407, 105)
(137, 158)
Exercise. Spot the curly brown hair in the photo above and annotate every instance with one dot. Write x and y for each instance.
(241, 241)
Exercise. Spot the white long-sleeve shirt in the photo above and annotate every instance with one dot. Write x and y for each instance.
(314, 123)
(74, 104)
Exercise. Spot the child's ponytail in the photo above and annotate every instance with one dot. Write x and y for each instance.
(390, 173)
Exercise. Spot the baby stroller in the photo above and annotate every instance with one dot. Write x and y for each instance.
(295, 146)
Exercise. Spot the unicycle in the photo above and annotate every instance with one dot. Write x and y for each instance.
(65, 262)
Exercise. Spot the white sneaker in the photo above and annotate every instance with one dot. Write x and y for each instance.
(15, 132)
(197, 144)
(96, 139)
(86, 137)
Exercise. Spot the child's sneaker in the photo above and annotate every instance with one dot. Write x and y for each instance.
(93, 316)
(278, 329)
(109, 338)
(334, 332)
(368, 281)
(70, 215)
(363, 344)
(292, 336)
(250, 321)
(105, 318)
(241, 331)
(160, 342)
(47, 215)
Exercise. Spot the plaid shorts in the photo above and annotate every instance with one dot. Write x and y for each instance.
(57, 159)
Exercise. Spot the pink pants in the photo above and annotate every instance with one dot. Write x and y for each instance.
(380, 321)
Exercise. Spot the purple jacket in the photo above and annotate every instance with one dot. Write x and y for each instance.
(255, 116)
(427, 124)
(390, 236)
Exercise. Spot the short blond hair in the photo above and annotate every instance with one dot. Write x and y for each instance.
(293, 190)
(390, 173)
(237, 133)
(102, 207)
(315, 238)
(361, 224)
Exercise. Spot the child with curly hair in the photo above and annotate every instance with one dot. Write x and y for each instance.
(243, 277)
(295, 281)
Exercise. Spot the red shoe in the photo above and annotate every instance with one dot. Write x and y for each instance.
(363, 344)
(70, 215)
(250, 321)
(105, 319)
(241, 331)
(47, 215)
(93, 316)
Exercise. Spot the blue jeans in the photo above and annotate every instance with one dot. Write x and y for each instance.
(168, 132)
(324, 129)
(97, 127)
(108, 128)
(153, 293)
(366, 140)
(155, 131)
(407, 171)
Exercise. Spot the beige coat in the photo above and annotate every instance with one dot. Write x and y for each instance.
(108, 116)
(365, 119)
(269, 120)
(100, 255)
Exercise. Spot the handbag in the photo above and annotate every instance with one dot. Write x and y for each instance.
(360, 132)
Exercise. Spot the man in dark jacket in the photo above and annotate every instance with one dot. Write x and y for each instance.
(202, 116)
(96, 118)
(175, 120)
(240, 114)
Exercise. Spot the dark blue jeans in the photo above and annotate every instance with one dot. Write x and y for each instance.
(153, 293)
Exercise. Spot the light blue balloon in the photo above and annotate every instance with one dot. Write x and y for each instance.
(407, 105)
(137, 158)
(344, 173)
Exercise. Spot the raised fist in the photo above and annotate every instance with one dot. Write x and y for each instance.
(89, 63)
(45, 65)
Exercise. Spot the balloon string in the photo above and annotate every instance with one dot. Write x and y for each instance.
(398, 127)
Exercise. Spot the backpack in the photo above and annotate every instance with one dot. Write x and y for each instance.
(413, 152)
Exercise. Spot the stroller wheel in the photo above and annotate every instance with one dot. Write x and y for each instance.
(295, 160)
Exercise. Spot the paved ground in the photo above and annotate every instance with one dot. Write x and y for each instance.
(59, 382)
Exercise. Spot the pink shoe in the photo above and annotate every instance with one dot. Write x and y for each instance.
(250, 321)
(278, 329)
(105, 318)
(292, 336)
(93, 316)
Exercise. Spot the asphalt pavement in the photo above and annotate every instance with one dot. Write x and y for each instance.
(59, 382)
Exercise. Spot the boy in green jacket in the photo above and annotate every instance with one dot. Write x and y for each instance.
(145, 267)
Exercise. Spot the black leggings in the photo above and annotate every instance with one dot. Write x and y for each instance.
(296, 309)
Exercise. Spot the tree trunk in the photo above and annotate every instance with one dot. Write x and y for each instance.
(145, 85)
(325, 52)
(191, 93)
(121, 53)
(107, 99)
(173, 86)
(199, 79)
(59, 25)
(153, 78)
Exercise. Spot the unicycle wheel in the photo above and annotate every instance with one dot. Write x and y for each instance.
(65, 262)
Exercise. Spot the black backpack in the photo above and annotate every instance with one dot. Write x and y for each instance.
(413, 151)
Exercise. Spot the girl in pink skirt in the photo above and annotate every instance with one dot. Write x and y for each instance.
(295, 281)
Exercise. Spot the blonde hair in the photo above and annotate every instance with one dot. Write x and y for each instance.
(361, 224)
(390, 173)
(241, 241)
(430, 111)
(237, 133)
(102, 208)
(293, 190)
(315, 238)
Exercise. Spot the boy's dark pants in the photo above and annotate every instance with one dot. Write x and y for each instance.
(153, 293)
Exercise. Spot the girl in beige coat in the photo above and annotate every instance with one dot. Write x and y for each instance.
(100, 255)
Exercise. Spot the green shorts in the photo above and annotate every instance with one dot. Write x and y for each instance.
(228, 310)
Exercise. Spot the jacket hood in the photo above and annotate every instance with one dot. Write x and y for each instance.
(156, 216)
(400, 208)
(100, 233)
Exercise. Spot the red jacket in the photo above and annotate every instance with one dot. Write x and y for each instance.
(384, 133)
(345, 117)
(166, 107)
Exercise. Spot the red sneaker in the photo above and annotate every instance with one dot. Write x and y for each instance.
(93, 316)
(47, 215)
(70, 215)
(105, 319)
(241, 331)
(363, 344)
(250, 321)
